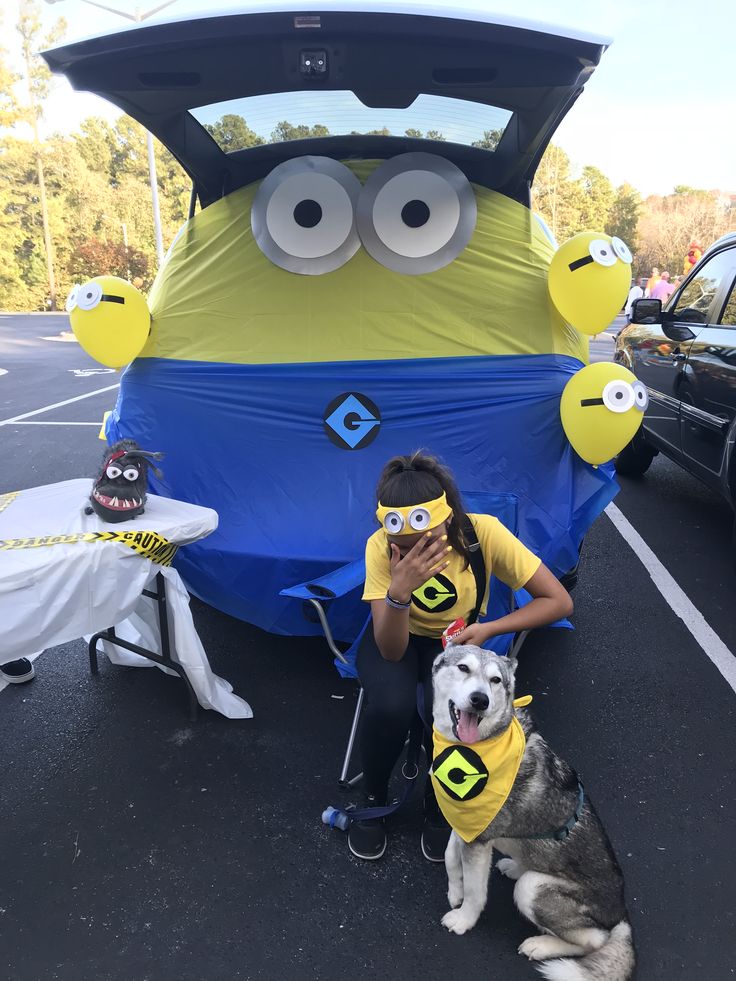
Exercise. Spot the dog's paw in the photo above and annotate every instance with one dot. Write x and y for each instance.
(459, 921)
(455, 895)
(510, 868)
(539, 948)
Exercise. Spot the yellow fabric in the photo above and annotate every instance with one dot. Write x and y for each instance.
(439, 511)
(218, 298)
(459, 770)
(452, 593)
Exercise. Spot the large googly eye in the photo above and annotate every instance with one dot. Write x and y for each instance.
(602, 252)
(130, 473)
(71, 300)
(419, 518)
(394, 522)
(622, 250)
(303, 215)
(416, 213)
(113, 471)
(618, 396)
(641, 396)
(89, 296)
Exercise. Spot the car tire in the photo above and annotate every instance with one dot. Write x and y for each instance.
(635, 458)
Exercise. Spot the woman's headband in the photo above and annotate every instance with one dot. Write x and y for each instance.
(415, 517)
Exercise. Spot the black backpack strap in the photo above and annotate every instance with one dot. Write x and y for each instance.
(477, 564)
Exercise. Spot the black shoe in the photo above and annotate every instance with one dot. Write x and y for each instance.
(17, 672)
(435, 832)
(367, 839)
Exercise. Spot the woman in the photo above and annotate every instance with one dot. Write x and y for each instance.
(418, 580)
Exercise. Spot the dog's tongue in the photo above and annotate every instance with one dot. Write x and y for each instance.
(467, 727)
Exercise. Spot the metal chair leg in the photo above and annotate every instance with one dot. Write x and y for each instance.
(343, 781)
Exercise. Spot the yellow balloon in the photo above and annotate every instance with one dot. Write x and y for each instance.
(589, 279)
(602, 407)
(110, 319)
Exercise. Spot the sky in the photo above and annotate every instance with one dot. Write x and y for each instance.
(657, 112)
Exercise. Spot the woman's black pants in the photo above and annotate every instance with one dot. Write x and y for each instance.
(390, 693)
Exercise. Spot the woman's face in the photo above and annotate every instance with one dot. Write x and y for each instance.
(407, 542)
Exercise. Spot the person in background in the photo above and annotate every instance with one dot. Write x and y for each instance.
(635, 293)
(652, 281)
(663, 289)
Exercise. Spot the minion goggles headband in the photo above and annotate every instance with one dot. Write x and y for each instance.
(415, 517)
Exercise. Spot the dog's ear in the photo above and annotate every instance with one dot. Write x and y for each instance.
(439, 662)
(512, 664)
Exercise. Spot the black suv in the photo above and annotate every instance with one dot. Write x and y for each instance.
(685, 353)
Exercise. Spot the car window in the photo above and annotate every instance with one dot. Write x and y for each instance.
(728, 317)
(695, 300)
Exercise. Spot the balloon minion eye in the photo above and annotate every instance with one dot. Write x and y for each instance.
(618, 396)
(641, 396)
(621, 249)
(71, 300)
(89, 296)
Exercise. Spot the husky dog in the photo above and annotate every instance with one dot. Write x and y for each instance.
(568, 882)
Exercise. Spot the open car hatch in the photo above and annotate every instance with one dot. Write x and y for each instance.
(514, 81)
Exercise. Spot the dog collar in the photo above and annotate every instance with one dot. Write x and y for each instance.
(414, 517)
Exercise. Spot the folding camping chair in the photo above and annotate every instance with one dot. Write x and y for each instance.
(317, 595)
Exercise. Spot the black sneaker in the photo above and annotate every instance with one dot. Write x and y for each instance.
(17, 672)
(435, 833)
(367, 839)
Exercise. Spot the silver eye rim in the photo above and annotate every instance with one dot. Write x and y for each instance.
(112, 471)
(323, 182)
(438, 239)
(618, 405)
(601, 252)
(89, 296)
(71, 300)
(621, 249)
(131, 470)
(640, 389)
(419, 519)
(396, 518)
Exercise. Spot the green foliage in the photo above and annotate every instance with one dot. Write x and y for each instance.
(286, 131)
(231, 132)
(623, 218)
(490, 139)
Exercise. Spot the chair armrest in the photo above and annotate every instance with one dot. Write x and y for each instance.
(339, 582)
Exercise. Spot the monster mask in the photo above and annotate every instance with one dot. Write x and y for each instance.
(119, 492)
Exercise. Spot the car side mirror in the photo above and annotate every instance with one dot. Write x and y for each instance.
(646, 311)
(677, 332)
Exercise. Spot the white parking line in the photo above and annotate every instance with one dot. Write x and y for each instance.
(36, 423)
(57, 405)
(675, 597)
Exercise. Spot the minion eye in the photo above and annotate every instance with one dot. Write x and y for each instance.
(618, 396)
(89, 296)
(303, 215)
(113, 471)
(71, 300)
(394, 522)
(419, 519)
(130, 473)
(621, 249)
(602, 252)
(416, 213)
(641, 396)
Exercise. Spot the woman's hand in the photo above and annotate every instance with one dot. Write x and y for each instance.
(476, 634)
(424, 559)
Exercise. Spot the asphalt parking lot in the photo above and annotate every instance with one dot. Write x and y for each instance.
(138, 846)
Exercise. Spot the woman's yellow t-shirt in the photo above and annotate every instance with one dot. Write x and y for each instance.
(451, 593)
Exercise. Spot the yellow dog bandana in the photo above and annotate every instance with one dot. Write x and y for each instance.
(472, 781)
(415, 517)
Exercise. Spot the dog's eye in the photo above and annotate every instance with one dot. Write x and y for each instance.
(464, 668)
(495, 681)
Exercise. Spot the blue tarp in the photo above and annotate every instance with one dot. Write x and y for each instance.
(269, 447)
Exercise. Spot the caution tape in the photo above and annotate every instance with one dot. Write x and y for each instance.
(6, 499)
(147, 543)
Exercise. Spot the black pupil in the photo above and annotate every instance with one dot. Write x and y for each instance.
(307, 213)
(618, 395)
(415, 214)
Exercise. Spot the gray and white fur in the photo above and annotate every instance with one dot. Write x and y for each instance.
(572, 890)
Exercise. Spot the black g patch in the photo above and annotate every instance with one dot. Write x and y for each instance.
(461, 772)
(436, 595)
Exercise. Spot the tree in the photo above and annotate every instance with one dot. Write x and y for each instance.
(38, 80)
(596, 200)
(623, 218)
(231, 132)
(490, 139)
(555, 195)
(287, 131)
